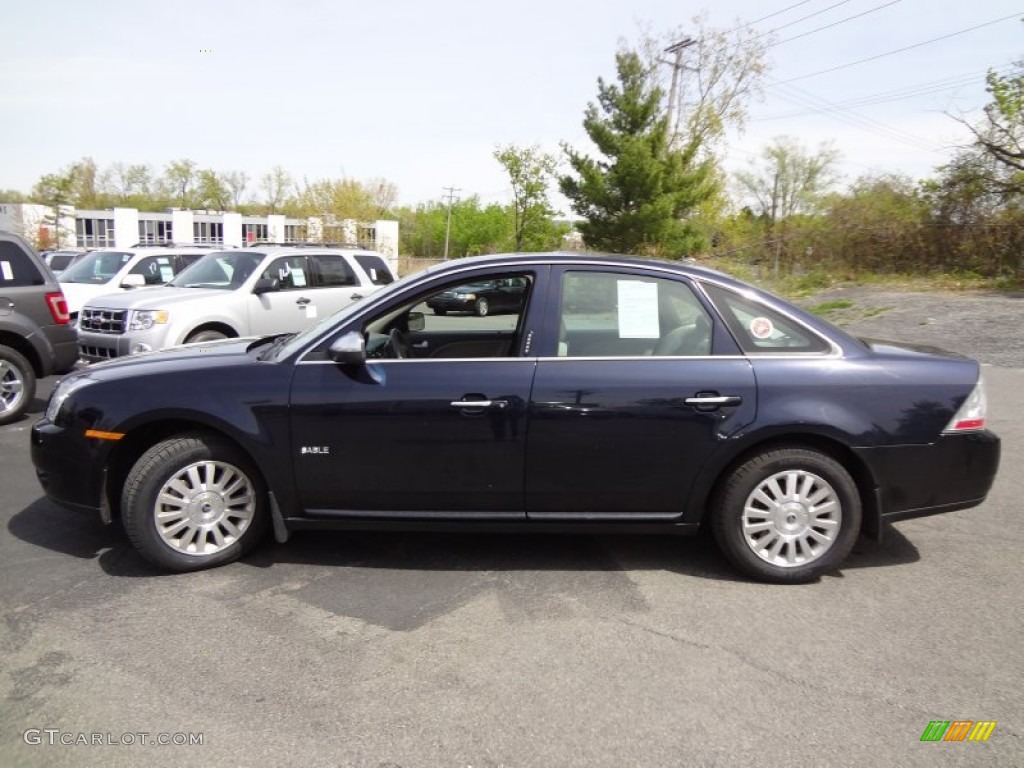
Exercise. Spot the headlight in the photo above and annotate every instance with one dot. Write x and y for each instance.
(64, 389)
(144, 319)
(466, 296)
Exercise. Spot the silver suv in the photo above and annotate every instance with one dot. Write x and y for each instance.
(36, 337)
(244, 292)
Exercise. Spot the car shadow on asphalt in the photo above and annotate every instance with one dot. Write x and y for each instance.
(79, 535)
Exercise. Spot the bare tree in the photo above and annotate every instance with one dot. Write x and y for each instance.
(235, 182)
(276, 186)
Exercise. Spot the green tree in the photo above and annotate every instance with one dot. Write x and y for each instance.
(715, 73)
(787, 180)
(635, 198)
(57, 192)
(1000, 134)
(180, 179)
(211, 191)
(529, 170)
(277, 187)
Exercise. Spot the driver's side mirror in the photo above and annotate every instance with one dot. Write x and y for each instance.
(348, 349)
(133, 281)
(265, 285)
(416, 321)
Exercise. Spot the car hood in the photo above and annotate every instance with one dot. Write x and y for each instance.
(196, 356)
(158, 297)
(77, 294)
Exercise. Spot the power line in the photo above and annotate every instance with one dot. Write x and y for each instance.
(765, 18)
(835, 23)
(899, 50)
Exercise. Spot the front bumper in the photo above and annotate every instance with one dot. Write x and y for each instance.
(69, 466)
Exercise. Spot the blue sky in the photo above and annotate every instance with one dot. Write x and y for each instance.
(420, 93)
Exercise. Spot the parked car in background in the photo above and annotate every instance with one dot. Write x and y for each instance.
(58, 261)
(484, 298)
(245, 292)
(104, 271)
(36, 337)
(622, 396)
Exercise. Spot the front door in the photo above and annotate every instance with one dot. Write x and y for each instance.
(429, 426)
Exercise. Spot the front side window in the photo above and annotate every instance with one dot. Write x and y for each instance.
(156, 270)
(290, 272)
(608, 314)
(759, 329)
(446, 323)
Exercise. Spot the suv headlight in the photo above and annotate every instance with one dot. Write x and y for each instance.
(64, 389)
(144, 319)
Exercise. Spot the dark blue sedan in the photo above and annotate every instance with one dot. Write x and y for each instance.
(620, 395)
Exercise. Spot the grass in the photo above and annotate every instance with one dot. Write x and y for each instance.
(827, 307)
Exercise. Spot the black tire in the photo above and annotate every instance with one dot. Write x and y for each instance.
(788, 541)
(17, 385)
(441, 312)
(205, 336)
(482, 308)
(228, 495)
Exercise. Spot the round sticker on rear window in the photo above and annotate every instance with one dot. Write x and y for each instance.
(761, 328)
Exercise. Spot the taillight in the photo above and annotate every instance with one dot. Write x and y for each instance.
(971, 415)
(58, 308)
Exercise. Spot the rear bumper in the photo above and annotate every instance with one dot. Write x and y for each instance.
(955, 472)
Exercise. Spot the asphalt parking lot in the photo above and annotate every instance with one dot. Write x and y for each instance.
(345, 649)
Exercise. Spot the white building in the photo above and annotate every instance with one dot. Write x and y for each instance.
(126, 227)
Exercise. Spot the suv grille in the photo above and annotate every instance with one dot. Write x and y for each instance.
(103, 320)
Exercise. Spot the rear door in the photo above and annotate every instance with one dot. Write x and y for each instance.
(630, 397)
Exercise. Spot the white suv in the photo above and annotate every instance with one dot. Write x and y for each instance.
(246, 292)
(100, 272)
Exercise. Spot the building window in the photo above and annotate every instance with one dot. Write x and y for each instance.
(208, 233)
(155, 232)
(255, 233)
(295, 233)
(94, 233)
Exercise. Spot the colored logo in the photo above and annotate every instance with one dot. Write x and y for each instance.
(958, 730)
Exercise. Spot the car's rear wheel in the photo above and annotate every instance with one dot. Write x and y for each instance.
(439, 311)
(17, 385)
(205, 336)
(483, 308)
(787, 515)
(193, 502)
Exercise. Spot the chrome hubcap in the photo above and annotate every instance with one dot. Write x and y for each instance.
(792, 518)
(12, 388)
(204, 508)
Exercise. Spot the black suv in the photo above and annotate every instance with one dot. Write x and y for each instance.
(36, 337)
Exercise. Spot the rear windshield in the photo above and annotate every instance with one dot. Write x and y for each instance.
(96, 268)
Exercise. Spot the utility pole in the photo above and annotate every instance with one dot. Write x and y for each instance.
(448, 227)
(676, 48)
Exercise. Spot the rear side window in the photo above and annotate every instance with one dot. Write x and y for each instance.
(759, 329)
(16, 267)
(334, 271)
(376, 268)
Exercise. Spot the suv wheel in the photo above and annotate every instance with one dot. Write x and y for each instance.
(17, 385)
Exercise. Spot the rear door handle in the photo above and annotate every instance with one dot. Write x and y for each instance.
(302, 301)
(356, 296)
(714, 400)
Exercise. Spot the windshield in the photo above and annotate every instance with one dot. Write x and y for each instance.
(96, 268)
(226, 270)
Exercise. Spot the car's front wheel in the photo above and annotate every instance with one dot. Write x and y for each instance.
(17, 384)
(787, 515)
(482, 308)
(205, 336)
(193, 502)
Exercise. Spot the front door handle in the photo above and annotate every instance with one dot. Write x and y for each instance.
(481, 404)
(302, 301)
(356, 296)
